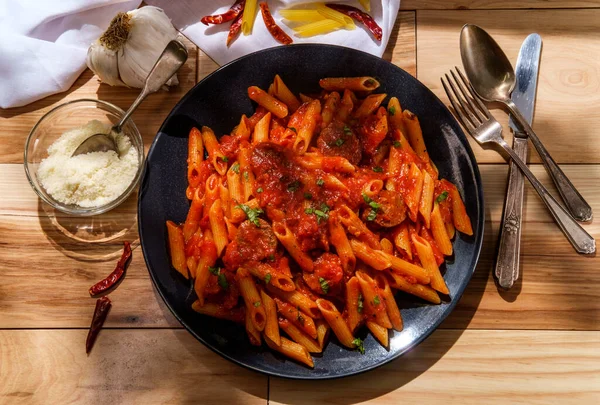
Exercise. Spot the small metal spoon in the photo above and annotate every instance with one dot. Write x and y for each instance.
(169, 62)
(493, 79)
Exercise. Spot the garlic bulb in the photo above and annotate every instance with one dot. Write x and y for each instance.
(128, 49)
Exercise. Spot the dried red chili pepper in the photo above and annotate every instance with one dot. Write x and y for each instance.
(102, 307)
(272, 26)
(360, 16)
(114, 277)
(234, 11)
(234, 30)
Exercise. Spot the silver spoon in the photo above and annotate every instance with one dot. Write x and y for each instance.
(169, 62)
(493, 79)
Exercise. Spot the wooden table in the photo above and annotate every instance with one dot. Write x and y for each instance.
(538, 343)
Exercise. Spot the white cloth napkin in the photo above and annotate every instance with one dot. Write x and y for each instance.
(186, 15)
(43, 44)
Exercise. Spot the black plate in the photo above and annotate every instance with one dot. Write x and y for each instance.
(218, 102)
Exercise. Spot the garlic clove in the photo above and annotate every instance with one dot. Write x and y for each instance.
(103, 62)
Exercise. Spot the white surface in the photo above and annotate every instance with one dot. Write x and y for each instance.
(43, 44)
(186, 15)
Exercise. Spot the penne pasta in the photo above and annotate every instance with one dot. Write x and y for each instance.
(217, 226)
(215, 155)
(354, 304)
(317, 28)
(315, 209)
(390, 302)
(365, 83)
(301, 15)
(297, 317)
(428, 262)
(335, 15)
(373, 300)
(177, 248)
(252, 299)
(336, 322)
(298, 300)
(248, 16)
(299, 337)
(290, 243)
(195, 157)
(376, 259)
(292, 350)
(438, 229)
(272, 325)
(283, 93)
(270, 103)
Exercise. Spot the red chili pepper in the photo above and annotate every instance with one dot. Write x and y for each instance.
(272, 26)
(114, 277)
(102, 307)
(229, 15)
(234, 30)
(359, 16)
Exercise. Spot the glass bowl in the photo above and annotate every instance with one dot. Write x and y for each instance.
(67, 116)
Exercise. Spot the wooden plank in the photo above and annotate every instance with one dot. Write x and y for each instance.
(125, 367)
(401, 49)
(566, 109)
(554, 278)
(494, 4)
(469, 367)
(17, 122)
(19, 199)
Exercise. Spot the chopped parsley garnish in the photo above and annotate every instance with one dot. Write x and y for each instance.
(397, 144)
(347, 130)
(225, 159)
(294, 185)
(322, 214)
(442, 197)
(324, 285)
(372, 215)
(339, 142)
(376, 300)
(259, 190)
(324, 207)
(293, 129)
(320, 182)
(222, 280)
(271, 257)
(359, 345)
(308, 196)
(360, 303)
(236, 168)
(267, 278)
(246, 176)
(309, 211)
(257, 304)
(374, 207)
(378, 169)
(252, 214)
(392, 111)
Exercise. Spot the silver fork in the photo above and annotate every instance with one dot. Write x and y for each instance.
(482, 126)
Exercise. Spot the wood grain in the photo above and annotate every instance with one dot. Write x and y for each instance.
(494, 4)
(17, 122)
(402, 46)
(124, 367)
(566, 114)
(56, 295)
(470, 367)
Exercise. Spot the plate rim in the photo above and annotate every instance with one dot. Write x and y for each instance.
(478, 242)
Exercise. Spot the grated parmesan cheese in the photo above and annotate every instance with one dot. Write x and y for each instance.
(89, 180)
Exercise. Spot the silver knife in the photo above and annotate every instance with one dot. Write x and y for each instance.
(507, 263)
